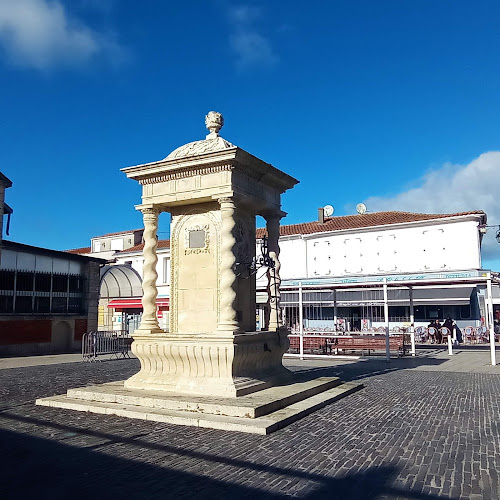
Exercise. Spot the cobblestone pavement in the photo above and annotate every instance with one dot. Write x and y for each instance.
(409, 434)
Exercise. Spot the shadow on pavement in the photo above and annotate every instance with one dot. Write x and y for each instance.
(364, 367)
(35, 467)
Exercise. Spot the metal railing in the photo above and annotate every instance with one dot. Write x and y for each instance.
(112, 343)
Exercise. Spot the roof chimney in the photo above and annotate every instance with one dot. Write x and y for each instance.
(321, 215)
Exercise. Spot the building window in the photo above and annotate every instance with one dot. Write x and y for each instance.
(24, 282)
(75, 284)
(59, 283)
(59, 305)
(7, 280)
(6, 304)
(24, 304)
(166, 270)
(42, 305)
(98, 246)
(75, 305)
(42, 282)
(117, 244)
(465, 312)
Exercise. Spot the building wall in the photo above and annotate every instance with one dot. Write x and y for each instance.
(34, 332)
(24, 335)
(422, 247)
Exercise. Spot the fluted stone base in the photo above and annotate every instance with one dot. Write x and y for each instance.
(211, 364)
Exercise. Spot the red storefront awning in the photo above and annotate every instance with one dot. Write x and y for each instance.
(134, 303)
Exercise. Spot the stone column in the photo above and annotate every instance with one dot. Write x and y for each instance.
(149, 322)
(273, 274)
(227, 317)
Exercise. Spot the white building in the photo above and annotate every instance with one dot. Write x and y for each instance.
(345, 260)
(341, 263)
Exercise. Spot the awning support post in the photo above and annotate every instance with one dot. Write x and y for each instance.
(335, 310)
(412, 321)
(301, 323)
(491, 325)
(386, 320)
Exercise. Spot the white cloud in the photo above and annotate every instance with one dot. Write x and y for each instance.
(454, 188)
(250, 46)
(40, 34)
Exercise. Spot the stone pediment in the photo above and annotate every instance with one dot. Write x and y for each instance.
(196, 148)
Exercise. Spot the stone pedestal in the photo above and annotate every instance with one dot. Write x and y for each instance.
(211, 364)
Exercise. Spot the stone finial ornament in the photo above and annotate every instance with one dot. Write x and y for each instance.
(214, 122)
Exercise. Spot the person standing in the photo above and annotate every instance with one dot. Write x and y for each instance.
(439, 335)
(433, 332)
(450, 324)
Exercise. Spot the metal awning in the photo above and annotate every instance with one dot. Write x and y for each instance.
(459, 296)
(120, 281)
(133, 303)
(452, 295)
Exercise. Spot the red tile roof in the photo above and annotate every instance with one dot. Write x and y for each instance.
(360, 221)
(80, 250)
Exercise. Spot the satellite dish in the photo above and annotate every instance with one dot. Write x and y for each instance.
(328, 210)
(361, 208)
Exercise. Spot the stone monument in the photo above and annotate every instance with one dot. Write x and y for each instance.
(213, 191)
(211, 368)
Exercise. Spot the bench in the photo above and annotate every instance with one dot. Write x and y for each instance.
(366, 344)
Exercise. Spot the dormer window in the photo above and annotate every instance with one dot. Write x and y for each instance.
(117, 244)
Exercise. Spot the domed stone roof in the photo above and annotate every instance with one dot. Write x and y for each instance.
(213, 142)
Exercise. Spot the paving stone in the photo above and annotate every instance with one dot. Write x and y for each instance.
(411, 433)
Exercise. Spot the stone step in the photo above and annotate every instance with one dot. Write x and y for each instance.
(259, 425)
(250, 406)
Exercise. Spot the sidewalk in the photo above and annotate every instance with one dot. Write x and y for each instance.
(50, 359)
(464, 360)
(423, 428)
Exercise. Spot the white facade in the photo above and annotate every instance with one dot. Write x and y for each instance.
(424, 246)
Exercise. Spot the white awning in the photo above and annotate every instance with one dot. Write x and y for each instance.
(120, 281)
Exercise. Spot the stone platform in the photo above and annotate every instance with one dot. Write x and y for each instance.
(261, 412)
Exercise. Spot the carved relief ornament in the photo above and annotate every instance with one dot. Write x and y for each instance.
(199, 227)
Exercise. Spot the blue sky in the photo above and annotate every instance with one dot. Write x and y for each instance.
(393, 103)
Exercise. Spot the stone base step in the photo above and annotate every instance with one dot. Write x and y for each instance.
(259, 425)
(251, 405)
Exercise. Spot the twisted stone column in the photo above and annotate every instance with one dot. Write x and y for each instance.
(149, 320)
(273, 275)
(227, 317)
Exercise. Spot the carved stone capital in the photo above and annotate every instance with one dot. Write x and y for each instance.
(273, 215)
(226, 203)
(150, 213)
